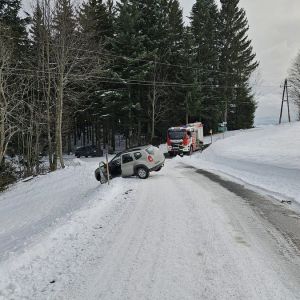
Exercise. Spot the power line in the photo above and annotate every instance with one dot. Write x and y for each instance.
(132, 81)
(125, 81)
(132, 58)
(103, 79)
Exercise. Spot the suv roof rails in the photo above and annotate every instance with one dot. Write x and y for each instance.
(131, 150)
(136, 148)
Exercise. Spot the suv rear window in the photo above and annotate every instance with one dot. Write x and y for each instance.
(150, 150)
(137, 155)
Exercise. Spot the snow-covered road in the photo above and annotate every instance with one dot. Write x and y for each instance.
(181, 234)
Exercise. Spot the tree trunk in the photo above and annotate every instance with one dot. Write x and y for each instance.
(37, 150)
(2, 135)
(153, 104)
(58, 131)
(153, 113)
(2, 120)
(113, 142)
(139, 132)
(187, 109)
(51, 157)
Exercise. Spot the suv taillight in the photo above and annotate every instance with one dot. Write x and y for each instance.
(150, 158)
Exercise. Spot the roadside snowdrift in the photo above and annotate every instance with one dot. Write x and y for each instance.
(267, 157)
(27, 209)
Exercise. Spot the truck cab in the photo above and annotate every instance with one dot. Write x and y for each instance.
(185, 139)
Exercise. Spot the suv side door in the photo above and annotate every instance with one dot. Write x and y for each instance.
(115, 165)
(127, 165)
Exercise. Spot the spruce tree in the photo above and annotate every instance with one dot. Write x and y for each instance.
(153, 26)
(13, 27)
(96, 21)
(9, 17)
(175, 59)
(237, 62)
(96, 30)
(38, 32)
(127, 67)
(191, 99)
(204, 26)
(157, 23)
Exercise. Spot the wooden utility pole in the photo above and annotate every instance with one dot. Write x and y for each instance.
(107, 168)
(285, 98)
(154, 100)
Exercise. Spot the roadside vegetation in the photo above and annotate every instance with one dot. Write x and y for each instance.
(294, 81)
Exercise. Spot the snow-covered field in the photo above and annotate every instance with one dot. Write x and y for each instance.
(267, 158)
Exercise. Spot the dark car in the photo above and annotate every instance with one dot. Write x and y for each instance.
(88, 151)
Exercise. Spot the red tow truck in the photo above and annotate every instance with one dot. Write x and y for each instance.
(185, 139)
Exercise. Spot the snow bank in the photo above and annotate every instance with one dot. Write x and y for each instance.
(62, 252)
(27, 209)
(266, 157)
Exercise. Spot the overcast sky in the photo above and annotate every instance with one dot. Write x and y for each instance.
(274, 30)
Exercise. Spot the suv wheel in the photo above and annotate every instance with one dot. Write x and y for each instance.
(142, 173)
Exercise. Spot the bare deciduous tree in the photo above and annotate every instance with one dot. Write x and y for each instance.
(294, 81)
(158, 104)
(12, 93)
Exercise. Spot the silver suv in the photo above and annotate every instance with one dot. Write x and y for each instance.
(141, 161)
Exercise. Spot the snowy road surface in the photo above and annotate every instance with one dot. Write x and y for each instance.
(181, 234)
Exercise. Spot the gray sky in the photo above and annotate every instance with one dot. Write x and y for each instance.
(274, 30)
